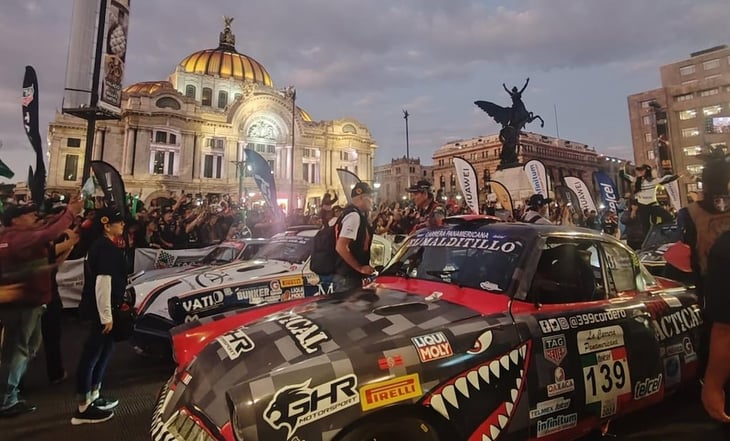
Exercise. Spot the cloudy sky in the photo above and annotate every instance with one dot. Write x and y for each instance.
(371, 59)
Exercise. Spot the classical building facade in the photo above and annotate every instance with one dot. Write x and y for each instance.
(561, 158)
(394, 178)
(190, 131)
(690, 112)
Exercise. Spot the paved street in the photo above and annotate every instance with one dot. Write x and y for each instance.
(135, 381)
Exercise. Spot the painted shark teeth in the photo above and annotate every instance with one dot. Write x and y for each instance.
(438, 405)
(509, 406)
(523, 351)
(449, 394)
(473, 378)
(484, 374)
(504, 361)
(503, 420)
(494, 367)
(494, 432)
(462, 386)
(514, 356)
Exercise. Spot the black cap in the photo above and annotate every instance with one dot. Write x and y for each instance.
(361, 188)
(13, 211)
(643, 167)
(108, 216)
(422, 185)
(538, 200)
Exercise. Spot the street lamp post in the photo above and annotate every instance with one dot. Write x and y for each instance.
(408, 153)
(293, 93)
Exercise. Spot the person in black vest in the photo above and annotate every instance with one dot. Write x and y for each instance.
(105, 279)
(537, 210)
(353, 241)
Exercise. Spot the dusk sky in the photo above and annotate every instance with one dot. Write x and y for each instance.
(371, 59)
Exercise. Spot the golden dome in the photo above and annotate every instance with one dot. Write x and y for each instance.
(225, 62)
(304, 114)
(148, 87)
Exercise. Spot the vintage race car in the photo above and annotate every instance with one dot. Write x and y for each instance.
(656, 243)
(476, 331)
(278, 271)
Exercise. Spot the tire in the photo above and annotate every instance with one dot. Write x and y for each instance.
(405, 428)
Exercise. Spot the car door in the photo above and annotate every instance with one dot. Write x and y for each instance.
(582, 338)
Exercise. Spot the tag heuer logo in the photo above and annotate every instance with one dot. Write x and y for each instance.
(554, 348)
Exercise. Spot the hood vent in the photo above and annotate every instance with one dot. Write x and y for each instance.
(256, 268)
(401, 308)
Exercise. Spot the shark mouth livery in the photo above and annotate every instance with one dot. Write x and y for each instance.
(482, 400)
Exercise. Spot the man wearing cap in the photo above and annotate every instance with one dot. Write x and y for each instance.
(645, 185)
(24, 259)
(425, 203)
(353, 241)
(537, 210)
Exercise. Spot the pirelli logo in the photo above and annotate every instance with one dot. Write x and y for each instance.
(290, 282)
(387, 392)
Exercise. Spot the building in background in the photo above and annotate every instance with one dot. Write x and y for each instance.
(561, 158)
(686, 116)
(189, 132)
(393, 178)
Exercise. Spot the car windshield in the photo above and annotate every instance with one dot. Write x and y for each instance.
(293, 249)
(474, 259)
(662, 234)
(221, 254)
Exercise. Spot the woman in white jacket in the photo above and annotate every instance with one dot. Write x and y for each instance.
(645, 186)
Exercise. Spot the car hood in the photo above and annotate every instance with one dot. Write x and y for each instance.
(163, 273)
(327, 331)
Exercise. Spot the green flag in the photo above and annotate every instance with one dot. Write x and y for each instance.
(5, 170)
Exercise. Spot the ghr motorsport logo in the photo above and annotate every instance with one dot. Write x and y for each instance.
(298, 405)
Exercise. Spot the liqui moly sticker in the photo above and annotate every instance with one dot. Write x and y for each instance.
(432, 346)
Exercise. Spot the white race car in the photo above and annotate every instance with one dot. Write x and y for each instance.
(279, 271)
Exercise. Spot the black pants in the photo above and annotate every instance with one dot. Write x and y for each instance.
(52, 331)
(93, 362)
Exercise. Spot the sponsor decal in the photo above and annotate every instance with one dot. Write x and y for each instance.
(432, 347)
(556, 324)
(647, 387)
(677, 323)
(290, 282)
(554, 348)
(599, 339)
(689, 350)
(674, 349)
(307, 334)
(466, 239)
(550, 406)
(556, 424)
(672, 371)
(392, 391)
(386, 363)
(481, 344)
(250, 294)
(203, 302)
(608, 407)
(275, 288)
(235, 343)
(185, 378)
(210, 278)
(590, 318)
(672, 301)
(606, 376)
(562, 385)
(297, 405)
(293, 293)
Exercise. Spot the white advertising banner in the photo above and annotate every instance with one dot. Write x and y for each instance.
(467, 177)
(672, 189)
(577, 186)
(536, 174)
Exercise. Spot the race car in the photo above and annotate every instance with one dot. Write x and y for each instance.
(659, 238)
(225, 252)
(278, 271)
(476, 331)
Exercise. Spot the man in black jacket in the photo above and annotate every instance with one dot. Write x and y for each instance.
(353, 242)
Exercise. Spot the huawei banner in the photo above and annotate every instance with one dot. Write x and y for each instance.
(114, 53)
(503, 196)
(536, 174)
(672, 189)
(467, 177)
(577, 186)
(348, 180)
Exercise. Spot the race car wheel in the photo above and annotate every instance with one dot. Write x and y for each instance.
(401, 429)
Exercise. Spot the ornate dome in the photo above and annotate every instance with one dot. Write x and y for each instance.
(149, 88)
(225, 61)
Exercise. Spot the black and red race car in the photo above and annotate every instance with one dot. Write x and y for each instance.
(476, 331)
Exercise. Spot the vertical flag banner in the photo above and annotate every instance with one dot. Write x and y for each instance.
(467, 177)
(577, 186)
(537, 175)
(672, 189)
(114, 55)
(264, 180)
(37, 177)
(112, 185)
(503, 196)
(348, 180)
(609, 193)
(5, 170)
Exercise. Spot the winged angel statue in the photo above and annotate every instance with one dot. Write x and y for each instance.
(512, 119)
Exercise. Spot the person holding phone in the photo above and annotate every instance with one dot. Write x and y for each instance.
(105, 280)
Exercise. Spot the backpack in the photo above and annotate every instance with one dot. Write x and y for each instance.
(324, 254)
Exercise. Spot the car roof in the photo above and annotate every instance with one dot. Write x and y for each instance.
(482, 223)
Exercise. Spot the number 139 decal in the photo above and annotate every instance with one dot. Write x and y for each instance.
(606, 375)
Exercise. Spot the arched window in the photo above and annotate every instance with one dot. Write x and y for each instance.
(207, 96)
(222, 99)
(349, 128)
(190, 91)
(167, 102)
